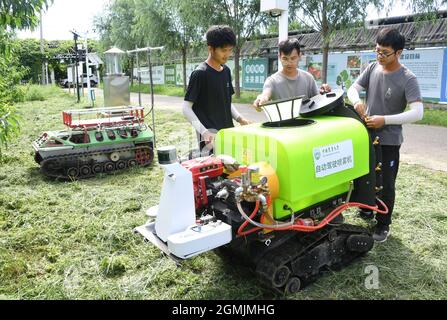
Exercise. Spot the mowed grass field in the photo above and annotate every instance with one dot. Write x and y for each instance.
(74, 240)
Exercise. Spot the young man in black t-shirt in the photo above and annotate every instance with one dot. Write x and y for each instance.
(207, 102)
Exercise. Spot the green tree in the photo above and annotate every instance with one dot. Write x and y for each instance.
(21, 14)
(174, 24)
(117, 27)
(244, 18)
(13, 15)
(327, 16)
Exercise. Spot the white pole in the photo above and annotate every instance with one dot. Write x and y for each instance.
(88, 70)
(283, 29)
(43, 79)
(47, 78)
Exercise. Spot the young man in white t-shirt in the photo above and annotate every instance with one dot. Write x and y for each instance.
(290, 81)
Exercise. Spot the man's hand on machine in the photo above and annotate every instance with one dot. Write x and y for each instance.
(325, 88)
(242, 121)
(208, 136)
(260, 100)
(375, 122)
(360, 108)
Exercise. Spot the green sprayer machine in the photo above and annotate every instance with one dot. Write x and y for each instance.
(273, 194)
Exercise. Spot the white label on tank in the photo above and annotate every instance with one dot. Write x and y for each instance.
(333, 158)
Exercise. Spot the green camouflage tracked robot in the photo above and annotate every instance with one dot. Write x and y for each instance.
(273, 194)
(100, 140)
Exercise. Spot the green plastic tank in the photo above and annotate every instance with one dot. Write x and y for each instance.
(315, 158)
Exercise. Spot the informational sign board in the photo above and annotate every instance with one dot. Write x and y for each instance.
(254, 73)
(427, 64)
(158, 74)
(443, 98)
(170, 74)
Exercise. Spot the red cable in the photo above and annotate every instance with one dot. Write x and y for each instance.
(243, 225)
(331, 216)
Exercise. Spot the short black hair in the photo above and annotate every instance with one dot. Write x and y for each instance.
(390, 37)
(220, 36)
(287, 46)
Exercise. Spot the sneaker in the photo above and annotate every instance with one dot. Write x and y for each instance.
(381, 233)
(365, 215)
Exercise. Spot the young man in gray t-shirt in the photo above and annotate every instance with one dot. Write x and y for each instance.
(289, 82)
(389, 87)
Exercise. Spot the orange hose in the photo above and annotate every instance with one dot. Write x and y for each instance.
(331, 216)
(243, 225)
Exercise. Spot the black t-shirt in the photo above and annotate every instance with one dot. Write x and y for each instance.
(210, 92)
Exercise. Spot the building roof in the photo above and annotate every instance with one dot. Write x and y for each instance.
(418, 34)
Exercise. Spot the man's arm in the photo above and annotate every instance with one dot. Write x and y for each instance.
(415, 113)
(265, 96)
(195, 122)
(237, 116)
(353, 96)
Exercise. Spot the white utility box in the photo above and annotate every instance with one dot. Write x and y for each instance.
(197, 239)
(274, 6)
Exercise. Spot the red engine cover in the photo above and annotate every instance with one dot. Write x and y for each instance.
(202, 168)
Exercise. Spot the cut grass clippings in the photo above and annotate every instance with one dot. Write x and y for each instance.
(74, 240)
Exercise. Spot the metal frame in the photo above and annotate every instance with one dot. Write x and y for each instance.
(148, 50)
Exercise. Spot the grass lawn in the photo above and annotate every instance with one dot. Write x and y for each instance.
(74, 240)
(434, 117)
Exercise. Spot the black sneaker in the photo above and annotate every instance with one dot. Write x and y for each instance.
(365, 214)
(381, 233)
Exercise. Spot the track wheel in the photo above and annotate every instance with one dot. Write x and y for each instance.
(293, 285)
(109, 167)
(86, 170)
(144, 157)
(114, 156)
(281, 276)
(97, 168)
(120, 165)
(73, 172)
(132, 163)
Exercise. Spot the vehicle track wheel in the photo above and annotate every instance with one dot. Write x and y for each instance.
(281, 276)
(109, 167)
(97, 168)
(114, 156)
(132, 163)
(144, 157)
(120, 165)
(37, 158)
(72, 172)
(86, 170)
(293, 285)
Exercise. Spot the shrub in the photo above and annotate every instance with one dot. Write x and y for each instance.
(35, 93)
(9, 125)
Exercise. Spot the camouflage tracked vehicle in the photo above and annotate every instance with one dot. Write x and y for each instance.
(100, 140)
